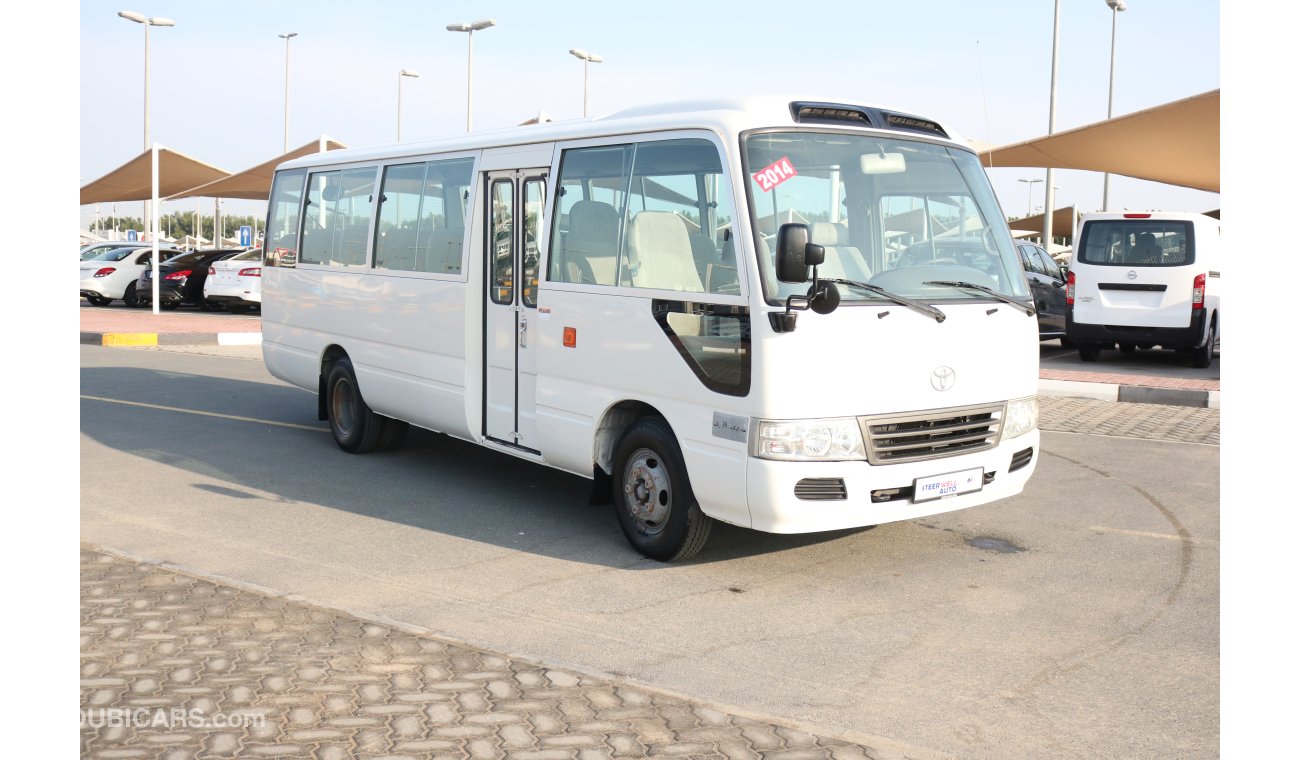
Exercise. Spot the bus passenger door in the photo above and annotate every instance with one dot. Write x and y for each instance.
(514, 214)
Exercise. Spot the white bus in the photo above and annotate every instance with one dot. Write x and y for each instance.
(788, 316)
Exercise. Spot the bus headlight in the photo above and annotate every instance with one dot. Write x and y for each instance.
(1022, 417)
(809, 440)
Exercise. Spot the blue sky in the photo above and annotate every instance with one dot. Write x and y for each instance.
(218, 75)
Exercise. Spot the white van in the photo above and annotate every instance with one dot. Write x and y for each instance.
(1145, 280)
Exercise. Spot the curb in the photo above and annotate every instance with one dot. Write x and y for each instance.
(172, 339)
(1136, 394)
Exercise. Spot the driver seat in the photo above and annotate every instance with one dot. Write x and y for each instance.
(843, 261)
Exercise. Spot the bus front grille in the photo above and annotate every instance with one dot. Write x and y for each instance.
(931, 435)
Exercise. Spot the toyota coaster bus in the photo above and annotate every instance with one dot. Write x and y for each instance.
(787, 315)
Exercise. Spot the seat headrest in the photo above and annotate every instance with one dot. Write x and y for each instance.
(829, 233)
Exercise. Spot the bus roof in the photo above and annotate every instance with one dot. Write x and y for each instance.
(721, 115)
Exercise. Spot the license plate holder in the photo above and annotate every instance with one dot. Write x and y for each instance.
(948, 484)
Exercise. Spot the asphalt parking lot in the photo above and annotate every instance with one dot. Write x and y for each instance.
(1021, 627)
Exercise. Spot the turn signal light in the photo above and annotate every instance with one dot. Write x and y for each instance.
(1069, 289)
(212, 271)
(182, 274)
(251, 272)
(106, 271)
(1198, 292)
(570, 337)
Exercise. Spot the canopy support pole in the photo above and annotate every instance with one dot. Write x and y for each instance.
(153, 149)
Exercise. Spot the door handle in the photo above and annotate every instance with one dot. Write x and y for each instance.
(523, 333)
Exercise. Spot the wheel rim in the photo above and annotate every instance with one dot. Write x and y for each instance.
(342, 409)
(647, 491)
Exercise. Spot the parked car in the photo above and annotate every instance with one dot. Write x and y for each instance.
(1047, 286)
(115, 274)
(89, 252)
(1141, 280)
(182, 278)
(236, 282)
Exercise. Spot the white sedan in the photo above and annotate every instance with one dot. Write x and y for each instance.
(236, 282)
(112, 274)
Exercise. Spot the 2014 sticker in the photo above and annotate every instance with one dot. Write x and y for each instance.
(775, 174)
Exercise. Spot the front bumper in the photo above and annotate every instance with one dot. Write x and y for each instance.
(775, 508)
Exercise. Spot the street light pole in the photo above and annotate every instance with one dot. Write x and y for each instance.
(286, 38)
(1029, 203)
(586, 58)
(1115, 7)
(140, 18)
(400, 74)
(1051, 127)
(469, 30)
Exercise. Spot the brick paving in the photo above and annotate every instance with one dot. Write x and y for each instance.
(1115, 378)
(1150, 421)
(120, 319)
(307, 682)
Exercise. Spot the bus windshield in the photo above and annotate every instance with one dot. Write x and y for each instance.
(903, 215)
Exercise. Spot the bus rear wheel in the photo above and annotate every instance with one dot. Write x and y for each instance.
(356, 429)
(653, 499)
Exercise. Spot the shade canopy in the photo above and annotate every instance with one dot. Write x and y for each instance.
(254, 183)
(1176, 143)
(133, 181)
(1063, 222)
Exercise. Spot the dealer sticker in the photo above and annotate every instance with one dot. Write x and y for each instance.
(951, 484)
(775, 174)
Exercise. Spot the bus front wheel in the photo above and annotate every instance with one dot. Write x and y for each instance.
(652, 495)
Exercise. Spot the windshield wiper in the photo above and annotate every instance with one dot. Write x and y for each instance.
(925, 309)
(987, 291)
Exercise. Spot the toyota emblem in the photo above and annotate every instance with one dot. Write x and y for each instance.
(943, 378)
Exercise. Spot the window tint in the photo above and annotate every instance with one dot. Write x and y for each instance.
(422, 217)
(1136, 242)
(589, 211)
(1046, 264)
(337, 217)
(502, 247)
(282, 218)
(650, 215)
(534, 202)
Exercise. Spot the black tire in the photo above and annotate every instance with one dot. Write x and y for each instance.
(99, 300)
(1127, 348)
(1067, 343)
(1203, 356)
(652, 494)
(1089, 352)
(356, 429)
(131, 299)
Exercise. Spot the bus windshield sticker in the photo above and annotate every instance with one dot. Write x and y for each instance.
(775, 174)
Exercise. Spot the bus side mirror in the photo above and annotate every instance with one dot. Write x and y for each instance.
(795, 254)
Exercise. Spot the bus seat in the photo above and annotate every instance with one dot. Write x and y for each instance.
(395, 250)
(842, 260)
(1146, 250)
(659, 253)
(591, 244)
(445, 248)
